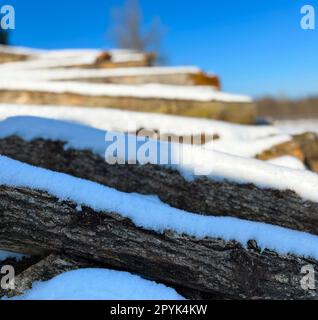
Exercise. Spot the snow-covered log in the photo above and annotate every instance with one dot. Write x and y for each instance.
(190, 76)
(36, 222)
(13, 58)
(13, 54)
(43, 211)
(201, 101)
(118, 120)
(205, 195)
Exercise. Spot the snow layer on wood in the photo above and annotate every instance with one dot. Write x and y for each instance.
(78, 73)
(119, 120)
(124, 55)
(52, 60)
(197, 160)
(46, 63)
(289, 162)
(68, 53)
(63, 58)
(19, 50)
(99, 284)
(154, 215)
(247, 148)
(143, 91)
(298, 126)
(8, 254)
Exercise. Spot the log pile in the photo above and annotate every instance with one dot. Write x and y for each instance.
(232, 108)
(61, 234)
(37, 223)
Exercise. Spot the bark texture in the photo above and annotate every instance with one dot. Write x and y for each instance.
(204, 196)
(35, 222)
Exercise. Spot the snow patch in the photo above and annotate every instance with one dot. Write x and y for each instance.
(98, 284)
(288, 162)
(142, 91)
(77, 73)
(298, 126)
(247, 148)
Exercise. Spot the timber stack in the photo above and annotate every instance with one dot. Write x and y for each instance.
(209, 207)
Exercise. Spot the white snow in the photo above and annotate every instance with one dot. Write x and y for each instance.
(78, 73)
(117, 55)
(143, 91)
(68, 53)
(44, 62)
(125, 55)
(247, 148)
(154, 215)
(8, 254)
(289, 162)
(119, 120)
(298, 126)
(99, 284)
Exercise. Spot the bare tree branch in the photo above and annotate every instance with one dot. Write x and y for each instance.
(128, 30)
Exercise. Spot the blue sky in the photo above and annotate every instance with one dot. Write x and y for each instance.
(256, 46)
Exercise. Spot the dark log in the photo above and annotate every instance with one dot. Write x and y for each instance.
(204, 196)
(34, 222)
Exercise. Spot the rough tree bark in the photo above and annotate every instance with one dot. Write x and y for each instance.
(55, 264)
(35, 222)
(204, 196)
